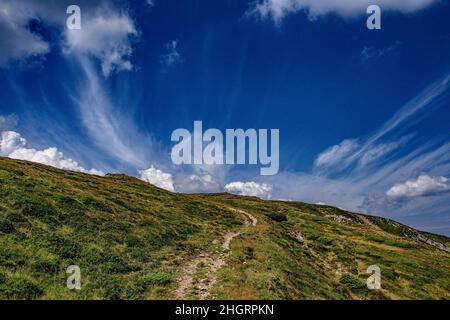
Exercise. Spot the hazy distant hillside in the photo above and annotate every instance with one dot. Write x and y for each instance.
(132, 240)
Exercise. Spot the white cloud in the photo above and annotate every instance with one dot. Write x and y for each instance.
(278, 9)
(356, 176)
(107, 36)
(106, 31)
(336, 153)
(17, 42)
(261, 190)
(113, 131)
(8, 122)
(12, 145)
(172, 56)
(340, 157)
(380, 150)
(158, 178)
(10, 142)
(196, 183)
(424, 185)
(370, 53)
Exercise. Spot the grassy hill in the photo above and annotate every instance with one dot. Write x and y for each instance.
(132, 240)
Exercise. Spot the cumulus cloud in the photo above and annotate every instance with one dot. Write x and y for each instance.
(12, 145)
(10, 142)
(106, 35)
(278, 9)
(261, 190)
(195, 183)
(172, 56)
(158, 178)
(423, 186)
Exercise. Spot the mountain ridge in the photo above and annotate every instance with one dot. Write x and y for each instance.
(133, 240)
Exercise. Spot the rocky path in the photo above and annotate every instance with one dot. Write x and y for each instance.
(210, 262)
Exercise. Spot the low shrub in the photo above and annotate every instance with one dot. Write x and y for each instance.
(325, 240)
(157, 278)
(353, 283)
(6, 226)
(45, 265)
(20, 288)
(278, 217)
(113, 263)
(37, 209)
(132, 241)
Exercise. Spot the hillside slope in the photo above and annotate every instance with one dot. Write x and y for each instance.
(132, 240)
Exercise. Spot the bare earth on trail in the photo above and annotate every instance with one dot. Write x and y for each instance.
(212, 262)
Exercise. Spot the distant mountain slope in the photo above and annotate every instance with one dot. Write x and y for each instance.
(133, 240)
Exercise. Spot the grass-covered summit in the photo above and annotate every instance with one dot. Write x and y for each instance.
(135, 241)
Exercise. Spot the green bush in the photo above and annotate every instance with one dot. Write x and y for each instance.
(353, 283)
(45, 265)
(132, 241)
(91, 255)
(6, 226)
(64, 247)
(398, 244)
(139, 254)
(38, 209)
(12, 257)
(378, 239)
(312, 235)
(21, 289)
(325, 240)
(157, 278)
(114, 263)
(249, 252)
(389, 242)
(111, 287)
(278, 217)
(97, 205)
(69, 205)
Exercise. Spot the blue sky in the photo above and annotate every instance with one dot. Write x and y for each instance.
(363, 115)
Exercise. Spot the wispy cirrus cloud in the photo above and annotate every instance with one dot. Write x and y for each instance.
(7, 122)
(371, 53)
(105, 41)
(336, 153)
(109, 128)
(172, 56)
(385, 173)
(277, 10)
(350, 152)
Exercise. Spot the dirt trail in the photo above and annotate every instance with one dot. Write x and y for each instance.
(209, 261)
(249, 219)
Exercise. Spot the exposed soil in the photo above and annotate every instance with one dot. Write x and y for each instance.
(209, 261)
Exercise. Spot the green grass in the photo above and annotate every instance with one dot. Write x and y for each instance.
(131, 241)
